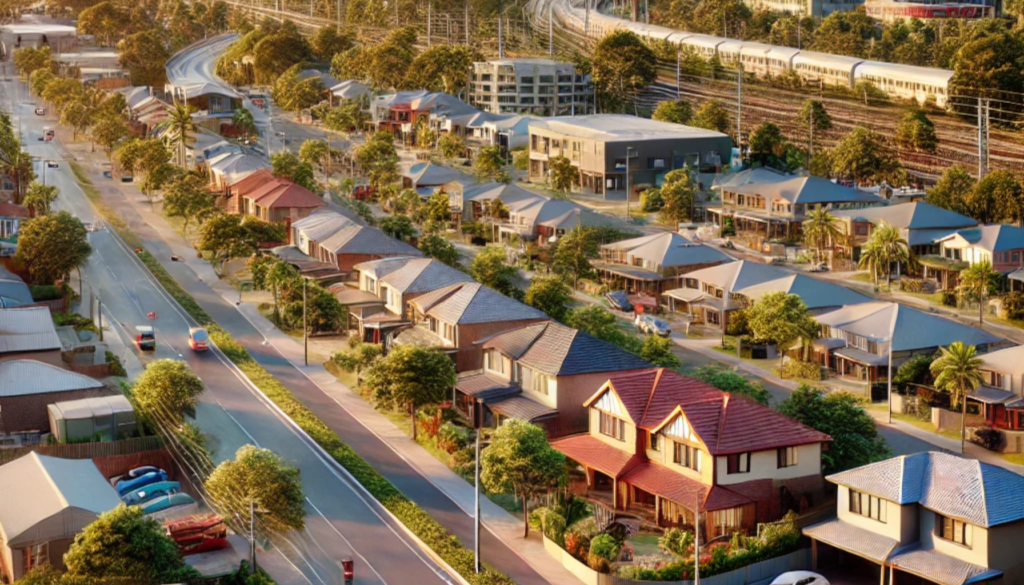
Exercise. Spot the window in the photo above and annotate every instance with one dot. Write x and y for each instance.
(655, 163)
(867, 505)
(738, 463)
(787, 457)
(611, 426)
(37, 555)
(371, 285)
(494, 361)
(449, 332)
(652, 441)
(686, 456)
(952, 530)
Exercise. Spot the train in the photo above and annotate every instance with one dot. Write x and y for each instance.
(922, 84)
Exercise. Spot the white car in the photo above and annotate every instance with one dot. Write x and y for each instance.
(652, 325)
(800, 578)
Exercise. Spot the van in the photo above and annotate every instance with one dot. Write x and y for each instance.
(145, 338)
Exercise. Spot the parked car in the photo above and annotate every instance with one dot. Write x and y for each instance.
(151, 492)
(40, 111)
(198, 339)
(126, 178)
(143, 470)
(145, 338)
(818, 267)
(52, 164)
(800, 578)
(48, 134)
(651, 325)
(619, 300)
(128, 485)
(165, 502)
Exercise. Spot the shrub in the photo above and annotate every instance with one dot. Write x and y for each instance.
(801, 370)
(599, 564)
(605, 546)
(577, 545)
(949, 298)
(737, 323)
(916, 370)
(429, 421)
(988, 438)
(462, 463)
(1013, 304)
(45, 292)
(676, 541)
(586, 528)
(452, 437)
(911, 285)
(554, 527)
(651, 200)
(75, 320)
(116, 367)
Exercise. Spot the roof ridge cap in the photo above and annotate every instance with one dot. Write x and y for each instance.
(721, 420)
(984, 494)
(650, 397)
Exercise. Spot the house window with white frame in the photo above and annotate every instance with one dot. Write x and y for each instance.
(787, 457)
(867, 505)
(36, 555)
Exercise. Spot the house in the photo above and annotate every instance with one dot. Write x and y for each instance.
(471, 202)
(27, 387)
(44, 503)
(655, 263)
(530, 86)
(232, 201)
(1002, 246)
(332, 238)
(13, 290)
(455, 317)
(382, 114)
(921, 224)
(855, 340)
(350, 90)
(925, 518)
(545, 220)
(280, 201)
(662, 445)
(1001, 394)
(779, 208)
(27, 330)
(600, 145)
(542, 373)
(230, 167)
(709, 295)
(425, 177)
(508, 131)
(12, 216)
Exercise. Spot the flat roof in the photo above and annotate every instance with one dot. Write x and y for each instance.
(44, 29)
(620, 127)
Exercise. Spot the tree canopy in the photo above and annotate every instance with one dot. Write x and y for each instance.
(490, 267)
(549, 294)
(411, 377)
(674, 111)
(52, 246)
(622, 65)
(167, 390)
(262, 477)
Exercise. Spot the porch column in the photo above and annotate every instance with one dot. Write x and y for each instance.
(615, 494)
(657, 509)
(881, 580)
(814, 555)
(892, 575)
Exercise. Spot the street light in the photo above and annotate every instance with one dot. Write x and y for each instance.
(630, 153)
(305, 327)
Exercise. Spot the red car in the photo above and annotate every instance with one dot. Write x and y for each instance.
(198, 339)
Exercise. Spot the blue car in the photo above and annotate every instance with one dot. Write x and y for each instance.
(151, 492)
(126, 486)
(619, 300)
(165, 502)
(140, 471)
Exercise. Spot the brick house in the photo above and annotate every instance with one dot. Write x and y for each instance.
(27, 387)
(661, 445)
(335, 239)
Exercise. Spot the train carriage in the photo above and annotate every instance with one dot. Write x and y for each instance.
(907, 81)
(834, 70)
(780, 59)
(705, 45)
(754, 57)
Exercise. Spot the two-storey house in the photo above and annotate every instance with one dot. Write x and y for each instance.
(925, 518)
(604, 148)
(778, 208)
(655, 263)
(1001, 393)
(1002, 246)
(334, 239)
(453, 318)
(542, 373)
(860, 342)
(920, 223)
(662, 446)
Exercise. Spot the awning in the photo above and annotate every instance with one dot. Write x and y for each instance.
(943, 569)
(521, 408)
(486, 387)
(847, 537)
(829, 343)
(992, 395)
(862, 357)
(687, 295)
(351, 297)
(1017, 275)
(630, 271)
(596, 454)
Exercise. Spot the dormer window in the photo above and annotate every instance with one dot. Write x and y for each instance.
(611, 426)
(687, 456)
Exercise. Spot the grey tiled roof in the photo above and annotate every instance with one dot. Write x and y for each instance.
(359, 239)
(522, 408)
(472, 302)
(563, 351)
(485, 386)
(516, 342)
(423, 275)
(383, 267)
(850, 538)
(967, 489)
(943, 569)
(808, 190)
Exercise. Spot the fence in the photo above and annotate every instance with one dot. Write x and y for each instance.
(85, 450)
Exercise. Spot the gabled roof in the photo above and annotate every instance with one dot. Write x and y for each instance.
(432, 175)
(320, 225)
(507, 192)
(472, 302)
(1004, 361)
(808, 190)
(593, 452)
(282, 194)
(360, 239)
(22, 377)
(419, 275)
(669, 249)
(911, 329)
(967, 489)
(993, 237)
(815, 293)
(557, 350)
(27, 329)
(736, 276)
(748, 176)
(913, 216)
(252, 181)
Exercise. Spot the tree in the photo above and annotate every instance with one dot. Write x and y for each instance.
(379, 160)
(144, 54)
(993, 62)
(674, 111)
(622, 65)
(272, 274)
(261, 477)
(491, 268)
(39, 79)
(820, 230)
(953, 191)
(1004, 189)
(573, 253)
(813, 114)
(29, 60)
(844, 34)
(316, 152)
(678, 193)
(62, 92)
(17, 164)
(886, 246)
(167, 391)
(293, 93)
(39, 198)
(767, 144)
(78, 116)
(599, 322)
(226, 236)
(329, 41)
(189, 199)
(397, 226)
(286, 165)
(976, 281)
(780, 319)
(104, 20)
(124, 545)
(442, 68)
(277, 52)
(712, 115)
(549, 294)
(562, 175)
(109, 132)
(450, 146)
(916, 132)
(411, 377)
(358, 356)
(181, 128)
(43, 574)
(440, 249)
(862, 157)
(520, 460)
(52, 246)
(958, 371)
(731, 381)
(489, 165)
(855, 438)
(243, 120)
(657, 351)
(143, 157)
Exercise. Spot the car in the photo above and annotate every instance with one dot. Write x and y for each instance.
(145, 338)
(800, 578)
(48, 134)
(88, 226)
(143, 470)
(619, 300)
(818, 267)
(40, 111)
(52, 164)
(127, 178)
(651, 325)
(198, 339)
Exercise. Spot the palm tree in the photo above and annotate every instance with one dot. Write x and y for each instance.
(821, 228)
(181, 127)
(870, 259)
(243, 120)
(18, 166)
(890, 246)
(958, 371)
(39, 198)
(975, 281)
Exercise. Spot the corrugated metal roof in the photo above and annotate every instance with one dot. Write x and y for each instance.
(941, 568)
(815, 293)
(910, 328)
(21, 377)
(852, 539)
(917, 215)
(736, 276)
(27, 329)
(669, 250)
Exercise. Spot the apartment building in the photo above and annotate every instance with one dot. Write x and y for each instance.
(805, 7)
(530, 86)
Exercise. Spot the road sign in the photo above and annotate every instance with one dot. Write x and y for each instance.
(151, 315)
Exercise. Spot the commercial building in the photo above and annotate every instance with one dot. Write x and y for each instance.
(530, 86)
(890, 10)
(805, 7)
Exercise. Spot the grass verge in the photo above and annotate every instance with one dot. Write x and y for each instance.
(418, 521)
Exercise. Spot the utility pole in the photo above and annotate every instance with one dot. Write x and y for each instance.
(339, 16)
(99, 312)
(467, 22)
(501, 46)
(982, 138)
(305, 327)
(428, 24)
(586, 18)
(477, 415)
(696, 525)
(647, 18)
(551, 31)
(678, 77)
(739, 106)
(252, 534)
(810, 144)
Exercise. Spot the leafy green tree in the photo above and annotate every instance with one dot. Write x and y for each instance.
(491, 268)
(813, 113)
(887, 246)
(124, 545)
(39, 199)
(976, 281)
(78, 116)
(731, 381)
(674, 111)
(39, 79)
(489, 165)
(780, 319)
(189, 199)
(520, 461)
(286, 165)
(44, 574)
(167, 391)
(855, 438)
(844, 33)
(329, 41)
(657, 351)
(109, 132)
(991, 62)
(142, 157)
(293, 93)
(226, 236)
(104, 20)
(820, 229)
(602, 324)
(767, 144)
(915, 370)
(440, 249)
(1004, 189)
(622, 65)
(863, 157)
(62, 92)
(323, 312)
(521, 159)
(437, 209)
(29, 59)
(277, 52)
(958, 371)
(218, 17)
(358, 356)
(17, 164)
(549, 294)
(379, 159)
(677, 194)
(270, 273)
(318, 153)
(52, 246)
(397, 226)
(953, 191)
(917, 132)
(243, 120)
(573, 253)
(712, 115)
(442, 68)
(450, 146)
(562, 175)
(144, 54)
(411, 377)
(263, 478)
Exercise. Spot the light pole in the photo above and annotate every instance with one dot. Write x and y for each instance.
(478, 426)
(305, 327)
(630, 153)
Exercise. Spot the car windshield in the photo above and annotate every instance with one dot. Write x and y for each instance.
(660, 323)
(200, 335)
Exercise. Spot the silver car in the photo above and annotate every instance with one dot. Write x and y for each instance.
(651, 325)
(800, 578)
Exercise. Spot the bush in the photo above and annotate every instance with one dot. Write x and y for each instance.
(949, 298)
(452, 437)
(800, 370)
(429, 422)
(599, 564)
(462, 463)
(577, 545)
(78, 322)
(988, 438)
(912, 285)
(45, 292)
(737, 324)
(116, 367)
(651, 200)
(916, 370)
(554, 527)
(605, 546)
(1013, 304)
(676, 541)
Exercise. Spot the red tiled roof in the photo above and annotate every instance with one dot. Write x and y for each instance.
(722, 498)
(597, 455)
(290, 196)
(660, 480)
(252, 181)
(13, 210)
